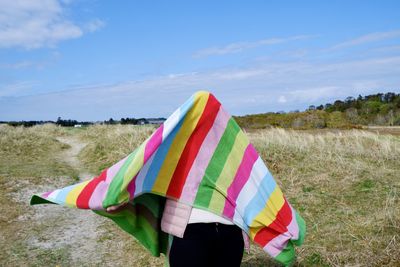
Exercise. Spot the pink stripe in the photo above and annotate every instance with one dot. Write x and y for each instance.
(100, 191)
(242, 176)
(293, 227)
(153, 143)
(45, 195)
(276, 245)
(206, 151)
(98, 195)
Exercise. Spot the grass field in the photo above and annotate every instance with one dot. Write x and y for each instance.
(345, 184)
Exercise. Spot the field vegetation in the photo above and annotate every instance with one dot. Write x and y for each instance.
(377, 109)
(345, 184)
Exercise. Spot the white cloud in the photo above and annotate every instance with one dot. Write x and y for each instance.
(17, 65)
(94, 25)
(241, 46)
(282, 99)
(261, 88)
(37, 23)
(17, 89)
(368, 38)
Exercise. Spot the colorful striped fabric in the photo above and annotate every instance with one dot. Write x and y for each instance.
(201, 157)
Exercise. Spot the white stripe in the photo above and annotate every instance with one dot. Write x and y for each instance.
(174, 119)
(170, 123)
(54, 194)
(248, 191)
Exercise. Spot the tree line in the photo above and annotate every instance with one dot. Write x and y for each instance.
(72, 123)
(375, 109)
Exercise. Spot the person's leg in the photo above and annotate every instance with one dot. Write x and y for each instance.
(195, 248)
(230, 246)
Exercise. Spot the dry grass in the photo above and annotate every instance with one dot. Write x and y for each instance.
(108, 144)
(344, 183)
(346, 186)
(30, 151)
(27, 160)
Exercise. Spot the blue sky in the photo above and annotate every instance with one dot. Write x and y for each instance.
(92, 60)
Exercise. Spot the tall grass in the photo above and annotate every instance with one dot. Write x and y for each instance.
(30, 152)
(344, 183)
(28, 162)
(108, 144)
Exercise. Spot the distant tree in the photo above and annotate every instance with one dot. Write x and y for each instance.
(349, 99)
(389, 97)
(339, 105)
(328, 107)
(110, 121)
(129, 121)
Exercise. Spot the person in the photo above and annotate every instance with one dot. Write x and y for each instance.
(201, 238)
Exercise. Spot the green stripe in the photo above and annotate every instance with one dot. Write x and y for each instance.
(287, 256)
(302, 230)
(228, 172)
(154, 203)
(140, 228)
(155, 240)
(216, 164)
(39, 200)
(113, 192)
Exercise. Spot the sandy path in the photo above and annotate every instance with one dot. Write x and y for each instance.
(70, 156)
(69, 237)
(76, 230)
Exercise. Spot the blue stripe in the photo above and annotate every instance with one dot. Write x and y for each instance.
(60, 198)
(159, 159)
(162, 150)
(258, 202)
(186, 106)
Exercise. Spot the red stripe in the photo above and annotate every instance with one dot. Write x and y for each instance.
(132, 186)
(277, 227)
(192, 147)
(82, 201)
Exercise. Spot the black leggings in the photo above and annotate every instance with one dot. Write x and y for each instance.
(208, 244)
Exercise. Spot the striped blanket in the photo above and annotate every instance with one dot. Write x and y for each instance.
(201, 157)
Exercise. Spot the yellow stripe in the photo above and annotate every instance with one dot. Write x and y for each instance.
(174, 153)
(228, 172)
(131, 171)
(268, 213)
(72, 196)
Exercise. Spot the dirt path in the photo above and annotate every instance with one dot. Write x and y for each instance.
(62, 236)
(76, 231)
(70, 156)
